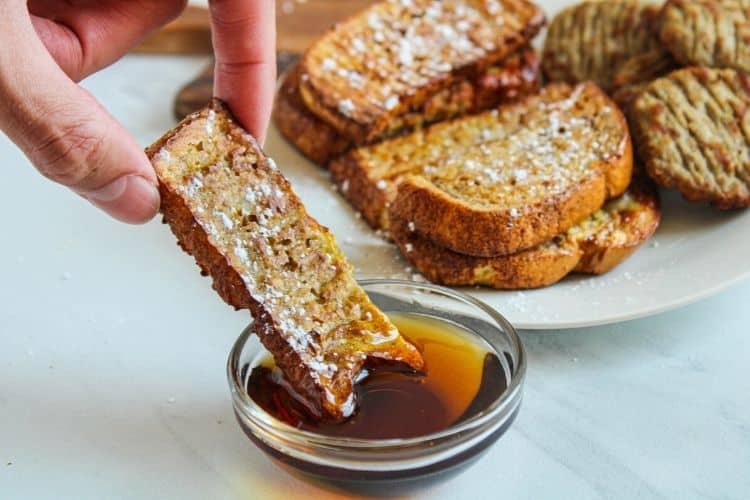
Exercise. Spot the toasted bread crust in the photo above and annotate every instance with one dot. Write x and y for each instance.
(514, 77)
(637, 216)
(312, 137)
(692, 135)
(237, 215)
(462, 228)
(534, 268)
(589, 40)
(595, 246)
(368, 195)
(358, 84)
(502, 228)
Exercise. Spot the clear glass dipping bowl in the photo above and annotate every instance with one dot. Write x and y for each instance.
(360, 463)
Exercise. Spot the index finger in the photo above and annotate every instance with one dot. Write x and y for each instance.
(244, 38)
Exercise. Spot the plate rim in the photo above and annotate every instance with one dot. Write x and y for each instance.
(661, 308)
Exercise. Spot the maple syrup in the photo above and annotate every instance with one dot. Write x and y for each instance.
(460, 379)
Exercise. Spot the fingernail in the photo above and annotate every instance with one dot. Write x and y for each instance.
(130, 198)
(111, 191)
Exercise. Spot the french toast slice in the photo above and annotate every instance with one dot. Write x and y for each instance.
(392, 57)
(594, 246)
(500, 181)
(514, 77)
(591, 39)
(233, 210)
(559, 157)
(311, 136)
(369, 176)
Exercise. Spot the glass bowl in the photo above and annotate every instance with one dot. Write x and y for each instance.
(351, 462)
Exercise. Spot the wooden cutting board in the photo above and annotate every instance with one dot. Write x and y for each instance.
(188, 34)
(298, 24)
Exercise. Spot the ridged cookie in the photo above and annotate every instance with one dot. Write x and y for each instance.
(713, 33)
(595, 246)
(588, 41)
(693, 134)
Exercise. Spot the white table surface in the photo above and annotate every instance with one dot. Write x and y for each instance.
(112, 352)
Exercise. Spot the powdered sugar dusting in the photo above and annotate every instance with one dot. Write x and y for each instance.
(346, 107)
(210, 121)
(225, 220)
(391, 102)
(402, 45)
(559, 145)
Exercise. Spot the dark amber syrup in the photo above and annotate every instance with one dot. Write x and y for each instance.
(460, 379)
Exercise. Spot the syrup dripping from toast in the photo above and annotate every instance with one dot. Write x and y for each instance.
(460, 379)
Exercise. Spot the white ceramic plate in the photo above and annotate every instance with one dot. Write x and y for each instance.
(696, 252)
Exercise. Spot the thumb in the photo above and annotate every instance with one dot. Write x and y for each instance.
(67, 135)
(79, 145)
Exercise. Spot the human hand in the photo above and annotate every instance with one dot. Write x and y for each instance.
(46, 46)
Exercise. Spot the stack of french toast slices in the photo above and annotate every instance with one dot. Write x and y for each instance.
(433, 121)
(400, 66)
